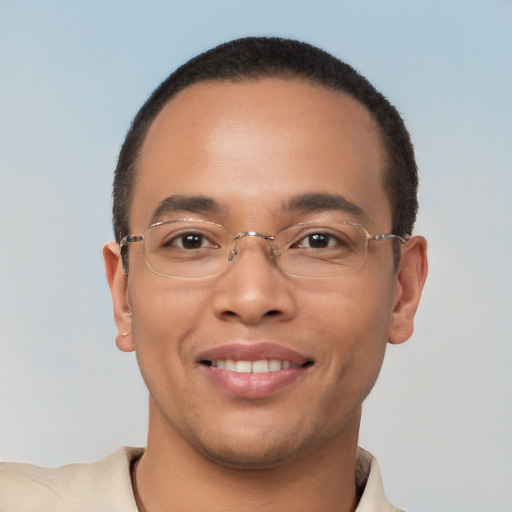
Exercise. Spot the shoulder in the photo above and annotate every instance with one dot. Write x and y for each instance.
(369, 483)
(73, 488)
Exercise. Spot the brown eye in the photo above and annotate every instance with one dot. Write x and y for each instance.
(190, 241)
(318, 241)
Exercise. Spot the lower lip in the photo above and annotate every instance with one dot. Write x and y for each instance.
(253, 385)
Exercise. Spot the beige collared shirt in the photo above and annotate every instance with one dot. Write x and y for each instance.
(106, 486)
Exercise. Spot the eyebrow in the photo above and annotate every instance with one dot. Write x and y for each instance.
(316, 202)
(319, 202)
(192, 204)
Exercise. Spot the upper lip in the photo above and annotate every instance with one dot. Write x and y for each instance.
(251, 351)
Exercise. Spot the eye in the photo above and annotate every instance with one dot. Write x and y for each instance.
(189, 241)
(319, 241)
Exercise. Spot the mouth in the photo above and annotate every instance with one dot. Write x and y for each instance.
(259, 366)
(253, 370)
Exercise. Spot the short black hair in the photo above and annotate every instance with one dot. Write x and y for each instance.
(252, 58)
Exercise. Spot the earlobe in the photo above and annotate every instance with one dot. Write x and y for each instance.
(409, 281)
(118, 284)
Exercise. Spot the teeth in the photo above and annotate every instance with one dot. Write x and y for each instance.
(243, 367)
(261, 366)
(274, 365)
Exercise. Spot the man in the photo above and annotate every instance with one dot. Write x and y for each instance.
(264, 201)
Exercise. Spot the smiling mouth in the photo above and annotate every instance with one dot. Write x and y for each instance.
(260, 366)
(254, 370)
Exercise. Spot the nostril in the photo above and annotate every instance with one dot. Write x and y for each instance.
(272, 312)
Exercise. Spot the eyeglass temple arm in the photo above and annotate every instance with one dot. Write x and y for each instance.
(387, 236)
(130, 239)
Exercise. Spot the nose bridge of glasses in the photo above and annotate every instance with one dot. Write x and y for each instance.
(251, 234)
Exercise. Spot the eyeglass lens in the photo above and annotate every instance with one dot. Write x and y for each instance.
(199, 249)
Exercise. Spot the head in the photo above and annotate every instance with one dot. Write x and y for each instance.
(258, 57)
(260, 135)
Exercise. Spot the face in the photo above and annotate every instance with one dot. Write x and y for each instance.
(253, 148)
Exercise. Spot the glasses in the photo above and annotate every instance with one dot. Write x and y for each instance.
(197, 249)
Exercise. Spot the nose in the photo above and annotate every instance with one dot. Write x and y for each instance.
(254, 289)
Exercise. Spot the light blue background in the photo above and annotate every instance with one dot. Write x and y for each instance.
(73, 75)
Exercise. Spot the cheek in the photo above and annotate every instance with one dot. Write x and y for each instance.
(164, 315)
(351, 312)
(162, 307)
(354, 323)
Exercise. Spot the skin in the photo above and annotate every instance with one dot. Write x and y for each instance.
(252, 146)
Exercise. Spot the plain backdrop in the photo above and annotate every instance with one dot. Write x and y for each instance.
(73, 74)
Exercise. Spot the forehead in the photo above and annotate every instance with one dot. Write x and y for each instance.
(252, 144)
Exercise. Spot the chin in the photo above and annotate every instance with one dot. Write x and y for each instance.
(249, 458)
(255, 449)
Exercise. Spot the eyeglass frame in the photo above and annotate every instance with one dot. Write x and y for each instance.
(130, 239)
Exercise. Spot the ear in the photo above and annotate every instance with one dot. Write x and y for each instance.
(118, 284)
(409, 281)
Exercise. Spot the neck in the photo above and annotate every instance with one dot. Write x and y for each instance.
(173, 472)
